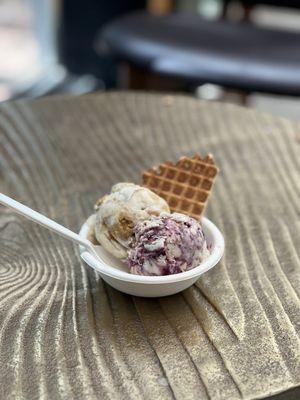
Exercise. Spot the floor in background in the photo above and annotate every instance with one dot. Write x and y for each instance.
(288, 107)
(282, 106)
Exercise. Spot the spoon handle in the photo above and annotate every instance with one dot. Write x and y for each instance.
(46, 222)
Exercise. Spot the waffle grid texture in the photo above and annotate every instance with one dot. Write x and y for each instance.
(185, 185)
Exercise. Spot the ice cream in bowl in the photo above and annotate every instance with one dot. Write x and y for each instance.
(148, 240)
(152, 240)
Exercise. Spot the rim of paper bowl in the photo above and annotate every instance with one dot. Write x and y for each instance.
(217, 250)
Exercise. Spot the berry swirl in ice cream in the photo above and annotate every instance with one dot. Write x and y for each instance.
(167, 244)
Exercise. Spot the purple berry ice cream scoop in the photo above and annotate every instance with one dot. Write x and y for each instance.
(165, 245)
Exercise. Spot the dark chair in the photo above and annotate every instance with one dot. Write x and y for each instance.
(197, 51)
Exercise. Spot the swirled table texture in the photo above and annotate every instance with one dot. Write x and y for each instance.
(67, 335)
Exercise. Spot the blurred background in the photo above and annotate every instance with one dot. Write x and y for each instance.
(245, 52)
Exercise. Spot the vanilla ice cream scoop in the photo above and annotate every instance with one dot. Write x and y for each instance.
(118, 213)
(168, 244)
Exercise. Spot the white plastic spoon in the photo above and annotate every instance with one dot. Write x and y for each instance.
(52, 225)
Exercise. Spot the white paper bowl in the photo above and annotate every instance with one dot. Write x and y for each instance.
(119, 278)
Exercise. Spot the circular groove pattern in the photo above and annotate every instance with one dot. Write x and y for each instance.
(65, 334)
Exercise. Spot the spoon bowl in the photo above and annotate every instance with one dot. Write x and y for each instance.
(116, 274)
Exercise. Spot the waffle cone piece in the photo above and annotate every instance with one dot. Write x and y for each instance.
(185, 185)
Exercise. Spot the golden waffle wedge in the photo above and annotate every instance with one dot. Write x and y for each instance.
(185, 185)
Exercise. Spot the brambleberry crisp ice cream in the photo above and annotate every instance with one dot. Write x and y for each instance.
(166, 244)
